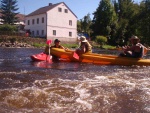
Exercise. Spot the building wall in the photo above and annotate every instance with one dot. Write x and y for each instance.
(36, 28)
(64, 24)
(59, 21)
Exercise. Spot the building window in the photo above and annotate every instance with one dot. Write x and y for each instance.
(32, 33)
(59, 9)
(28, 22)
(66, 10)
(42, 32)
(37, 32)
(70, 22)
(32, 21)
(37, 20)
(70, 34)
(54, 32)
(42, 19)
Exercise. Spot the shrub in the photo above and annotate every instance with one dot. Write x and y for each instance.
(7, 27)
(101, 40)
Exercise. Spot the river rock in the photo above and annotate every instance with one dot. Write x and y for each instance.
(14, 44)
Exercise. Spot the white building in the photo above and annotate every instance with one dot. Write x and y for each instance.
(53, 21)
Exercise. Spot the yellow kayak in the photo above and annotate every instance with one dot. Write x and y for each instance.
(102, 59)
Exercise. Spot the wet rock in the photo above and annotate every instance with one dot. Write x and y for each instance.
(14, 44)
(20, 41)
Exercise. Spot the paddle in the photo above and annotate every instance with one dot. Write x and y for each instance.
(75, 55)
(145, 50)
(48, 42)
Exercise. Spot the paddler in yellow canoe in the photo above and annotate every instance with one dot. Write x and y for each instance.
(137, 50)
(84, 47)
(56, 45)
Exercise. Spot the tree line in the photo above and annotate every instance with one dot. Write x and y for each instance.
(118, 21)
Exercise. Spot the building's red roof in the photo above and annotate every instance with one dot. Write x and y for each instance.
(21, 17)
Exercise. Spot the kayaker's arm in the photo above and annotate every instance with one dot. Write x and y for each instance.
(128, 48)
(62, 47)
(47, 49)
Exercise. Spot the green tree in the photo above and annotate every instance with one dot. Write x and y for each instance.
(104, 18)
(8, 10)
(79, 29)
(127, 16)
(144, 22)
(84, 25)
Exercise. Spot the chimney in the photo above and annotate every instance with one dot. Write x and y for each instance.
(50, 4)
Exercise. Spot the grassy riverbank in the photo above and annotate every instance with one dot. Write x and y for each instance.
(19, 40)
(39, 42)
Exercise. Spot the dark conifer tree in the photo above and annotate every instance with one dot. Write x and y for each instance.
(8, 10)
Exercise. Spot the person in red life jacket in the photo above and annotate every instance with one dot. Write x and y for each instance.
(84, 47)
(136, 50)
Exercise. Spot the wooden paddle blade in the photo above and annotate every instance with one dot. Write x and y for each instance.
(75, 55)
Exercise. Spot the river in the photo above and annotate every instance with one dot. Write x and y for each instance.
(70, 87)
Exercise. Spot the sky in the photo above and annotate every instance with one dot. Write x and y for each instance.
(80, 7)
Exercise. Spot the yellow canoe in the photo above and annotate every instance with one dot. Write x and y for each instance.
(102, 59)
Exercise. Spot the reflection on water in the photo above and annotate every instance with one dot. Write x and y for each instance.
(70, 87)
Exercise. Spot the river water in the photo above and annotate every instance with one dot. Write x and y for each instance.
(70, 87)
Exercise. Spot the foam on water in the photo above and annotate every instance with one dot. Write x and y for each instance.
(72, 87)
(86, 93)
(21, 72)
(84, 103)
(83, 96)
